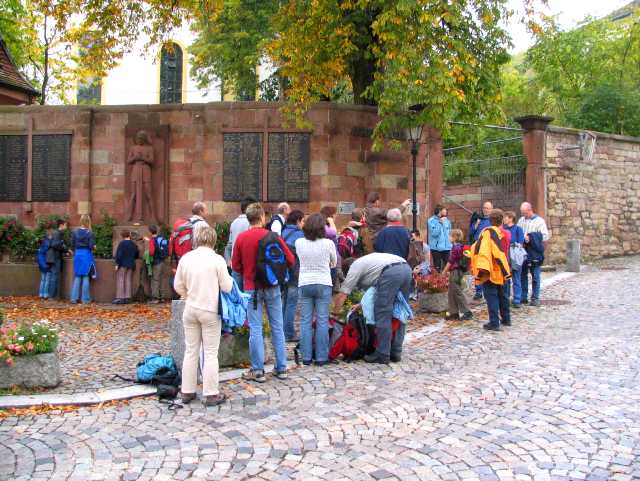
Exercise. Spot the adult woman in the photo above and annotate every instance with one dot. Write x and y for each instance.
(317, 257)
(200, 277)
(83, 241)
(439, 228)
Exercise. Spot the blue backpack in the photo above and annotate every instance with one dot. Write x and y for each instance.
(41, 256)
(271, 267)
(154, 369)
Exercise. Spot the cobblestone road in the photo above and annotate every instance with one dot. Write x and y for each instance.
(555, 397)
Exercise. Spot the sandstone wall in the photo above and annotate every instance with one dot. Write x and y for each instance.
(342, 168)
(596, 201)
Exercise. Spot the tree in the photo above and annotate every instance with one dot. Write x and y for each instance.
(588, 77)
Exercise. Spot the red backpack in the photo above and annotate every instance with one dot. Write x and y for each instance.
(181, 240)
(347, 241)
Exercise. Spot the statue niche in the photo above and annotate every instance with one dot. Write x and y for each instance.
(141, 159)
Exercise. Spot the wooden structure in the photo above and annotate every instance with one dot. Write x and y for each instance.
(14, 88)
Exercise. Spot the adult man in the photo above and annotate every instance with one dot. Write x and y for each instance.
(439, 228)
(376, 215)
(197, 220)
(477, 225)
(390, 274)
(536, 236)
(201, 276)
(277, 222)
(490, 267)
(395, 237)
(237, 227)
(54, 254)
(244, 261)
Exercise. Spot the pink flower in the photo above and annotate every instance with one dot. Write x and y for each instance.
(29, 346)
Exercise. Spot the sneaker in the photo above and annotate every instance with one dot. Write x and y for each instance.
(524, 301)
(395, 358)
(535, 302)
(187, 397)
(324, 363)
(376, 359)
(490, 327)
(307, 363)
(477, 297)
(452, 317)
(467, 316)
(506, 323)
(515, 305)
(215, 400)
(282, 375)
(256, 375)
(154, 301)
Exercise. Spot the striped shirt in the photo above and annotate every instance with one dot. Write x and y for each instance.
(317, 258)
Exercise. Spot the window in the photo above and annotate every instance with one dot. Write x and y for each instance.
(171, 74)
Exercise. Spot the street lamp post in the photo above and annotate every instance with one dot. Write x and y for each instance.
(414, 135)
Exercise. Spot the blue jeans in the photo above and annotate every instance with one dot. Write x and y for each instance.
(289, 304)
(271, 298)
(81, 283)
(535, 281)
(314, 298)
(514, 287)
(393, 278)
(54, 280)
(45, 278)
(497, 303)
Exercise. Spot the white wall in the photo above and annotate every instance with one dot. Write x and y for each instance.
(136, 80)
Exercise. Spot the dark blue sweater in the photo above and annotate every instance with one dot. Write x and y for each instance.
(126, 254)
(393, 239)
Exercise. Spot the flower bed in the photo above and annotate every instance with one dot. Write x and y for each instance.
(432, 291)
(28, 355)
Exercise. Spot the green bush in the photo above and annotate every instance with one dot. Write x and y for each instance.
(104, 236)
(222, 231)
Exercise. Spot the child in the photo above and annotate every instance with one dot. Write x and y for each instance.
(126, 255)
(517, 243)
(44, 265)
(423, 267)
(158, 252)
(458, 307)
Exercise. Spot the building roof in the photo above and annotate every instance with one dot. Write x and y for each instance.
(625, 11)
(10, 76)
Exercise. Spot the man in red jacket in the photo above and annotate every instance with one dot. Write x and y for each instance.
(243, 261)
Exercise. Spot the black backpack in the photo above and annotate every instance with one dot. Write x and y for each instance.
(275, 218)
(271, 266)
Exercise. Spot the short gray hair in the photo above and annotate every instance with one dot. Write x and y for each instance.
(198, 208)
(394, 215)
(205, 236)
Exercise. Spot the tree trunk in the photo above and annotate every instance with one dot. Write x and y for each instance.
(362, 75)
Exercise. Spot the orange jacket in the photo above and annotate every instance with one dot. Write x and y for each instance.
(488, 261)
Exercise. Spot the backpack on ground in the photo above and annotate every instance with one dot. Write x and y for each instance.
(181, 240)
(156, 369)
(271, 266)
(162, 248)
(41, 255)
(352, 339)
(347, 242)
(275, 218)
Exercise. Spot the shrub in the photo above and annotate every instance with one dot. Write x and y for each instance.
(222, 231)
(434, 282)
(27, 339)
(104, 236)
(10, 228)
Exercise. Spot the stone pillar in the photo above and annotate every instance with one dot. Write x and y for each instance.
(534, 146)
(573, 255)
(435, 169)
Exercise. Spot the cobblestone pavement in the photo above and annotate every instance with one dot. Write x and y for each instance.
(555, 397)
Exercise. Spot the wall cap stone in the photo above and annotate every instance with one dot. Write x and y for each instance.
(534, 122)
(599, 135)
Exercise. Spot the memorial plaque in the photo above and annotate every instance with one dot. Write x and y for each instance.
(242, 166)
(13, 168)
(289, 155)
(51, 161)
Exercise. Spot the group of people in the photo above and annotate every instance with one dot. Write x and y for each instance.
(50, 256)
(323, 266)
(505, 251)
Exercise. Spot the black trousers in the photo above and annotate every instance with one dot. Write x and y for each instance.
(440, 259)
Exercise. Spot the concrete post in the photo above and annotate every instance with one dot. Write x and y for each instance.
(573, 255)
(534, 147)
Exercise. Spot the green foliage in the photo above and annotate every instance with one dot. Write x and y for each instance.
(104, 236)
(587, 77)
(222, 231)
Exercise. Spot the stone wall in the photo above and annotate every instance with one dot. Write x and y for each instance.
(596, 201)
(343, 167)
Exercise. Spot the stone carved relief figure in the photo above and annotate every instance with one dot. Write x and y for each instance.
(141, 160)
